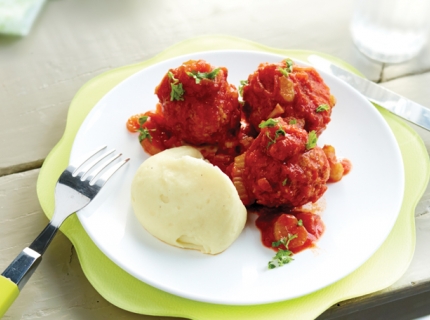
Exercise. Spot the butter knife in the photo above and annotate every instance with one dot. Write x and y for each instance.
(385, 98)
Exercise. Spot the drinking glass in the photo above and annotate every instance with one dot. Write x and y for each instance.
(390, 31)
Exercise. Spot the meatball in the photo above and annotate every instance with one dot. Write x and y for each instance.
(287, 90)
(282, 167)
(198, 104)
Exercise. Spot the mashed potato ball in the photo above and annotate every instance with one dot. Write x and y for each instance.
(187, 202)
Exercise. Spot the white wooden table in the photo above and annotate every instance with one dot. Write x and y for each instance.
(74, 40)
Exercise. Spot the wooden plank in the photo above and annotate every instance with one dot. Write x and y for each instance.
(74, 41)
(406, 309)
(58, 288)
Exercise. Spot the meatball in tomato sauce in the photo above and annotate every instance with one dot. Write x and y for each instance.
(198, 104)
(287, 90)
(282, 167)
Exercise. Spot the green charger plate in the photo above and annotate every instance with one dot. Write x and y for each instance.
(126, 292)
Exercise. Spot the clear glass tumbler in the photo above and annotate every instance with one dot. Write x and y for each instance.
(390, 31)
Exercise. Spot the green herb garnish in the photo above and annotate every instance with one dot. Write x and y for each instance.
(143, 119)
(172, 77)
(312, 140)
(268, 123)
(323, 107)
(282, 257)
(285, 241)
(199, 76)
(242, 84)
(293, 121)
(271, 141)
(300, 223)
(271, 123)
(284, 182)
(288, 69)
(177, 91)
(144, 134)
(277, 134)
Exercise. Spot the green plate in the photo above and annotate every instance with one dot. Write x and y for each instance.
(126, 292)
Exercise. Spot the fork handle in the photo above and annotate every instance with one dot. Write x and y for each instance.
(8, 293)
(44, 238)
(16, 275)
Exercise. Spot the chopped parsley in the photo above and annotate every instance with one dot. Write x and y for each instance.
(300, 223)
(323, 107)
(293, 121)
(199, 76)
(144, 134)
(282, 257)
(271, 141)
(143, 119)
(172, 77)
(284, 182)
(268, 123)
(177, 91)
(242, 84)
(288, 69)
(312, 140)
(278, 132)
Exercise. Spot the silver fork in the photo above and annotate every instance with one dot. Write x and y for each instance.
(75, 189)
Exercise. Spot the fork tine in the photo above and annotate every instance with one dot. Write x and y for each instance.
(103, 165)
(106, 176)
(87, 157)
(89, 167)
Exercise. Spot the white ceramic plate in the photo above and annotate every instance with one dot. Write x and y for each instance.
(360, 210)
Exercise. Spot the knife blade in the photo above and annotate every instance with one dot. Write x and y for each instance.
(396, 104)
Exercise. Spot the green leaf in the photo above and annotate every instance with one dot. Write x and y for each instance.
(199, 76)
(277, 243)
(289, 64)
(144, 134)
(143, 119)
(300, 223)
(312, 140)
(279, 132)
(288, 69)
(323, 107)
(172, 77)
(268, 123)
(177, 92)
(242, 84)
(285, 241)
(271, 141)
(293, 121)
(284, 182)
(282, 257)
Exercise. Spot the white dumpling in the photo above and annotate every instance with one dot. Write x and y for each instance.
(187, 202)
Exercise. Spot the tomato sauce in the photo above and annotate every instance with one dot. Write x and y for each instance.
(307, 227)
(263, 144)
(275, 91)
(279, 169)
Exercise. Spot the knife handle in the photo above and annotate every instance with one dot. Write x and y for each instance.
(8, 293)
